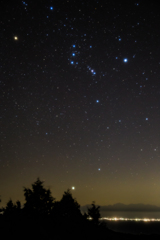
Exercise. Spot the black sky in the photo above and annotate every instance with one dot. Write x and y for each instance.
(80, 95)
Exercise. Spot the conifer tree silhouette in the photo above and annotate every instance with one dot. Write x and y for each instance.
(39, 201)
(94, 213)
(69, 206)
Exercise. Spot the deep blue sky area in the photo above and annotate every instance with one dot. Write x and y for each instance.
(80, 99)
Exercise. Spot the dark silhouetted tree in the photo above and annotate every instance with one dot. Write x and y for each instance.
(12, 210)
(67, 216)
(67, 209)
(0, 208)
(9, 209)
(39, 201)
(18, 205)
(94, 213)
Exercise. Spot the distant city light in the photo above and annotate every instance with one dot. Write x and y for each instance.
(131, 219)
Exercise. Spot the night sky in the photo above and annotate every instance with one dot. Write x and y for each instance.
(80, 99)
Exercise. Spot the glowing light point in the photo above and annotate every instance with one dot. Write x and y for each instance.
(73, 188)
(97, 101)
(73, 54)
(146, 119)
(74, 46)
(119, 39)
(72, 62)
(15, 38)
(99, 169)
(51, 8)
(125, 60)
(90, 46)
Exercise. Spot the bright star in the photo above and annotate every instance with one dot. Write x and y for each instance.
(15, 38)
(51, 8)
(72, 62)
(125, 60)
(73, 188)
(73, 54)
(97, 101)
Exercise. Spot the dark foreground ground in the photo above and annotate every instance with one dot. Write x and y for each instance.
(28, 230)
(133, 227)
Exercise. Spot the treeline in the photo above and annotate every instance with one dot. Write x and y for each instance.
(42, 217)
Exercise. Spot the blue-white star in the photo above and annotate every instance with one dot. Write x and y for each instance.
(125, 60)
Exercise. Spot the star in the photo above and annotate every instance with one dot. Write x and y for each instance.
(125, 60)
(15, 38)
(73, 188)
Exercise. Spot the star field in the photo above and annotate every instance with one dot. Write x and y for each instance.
(80, 99)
